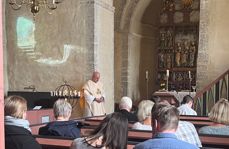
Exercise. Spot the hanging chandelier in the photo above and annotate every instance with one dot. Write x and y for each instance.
(35, 5)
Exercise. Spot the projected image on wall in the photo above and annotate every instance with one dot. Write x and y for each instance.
(25, 33)
(27, 44)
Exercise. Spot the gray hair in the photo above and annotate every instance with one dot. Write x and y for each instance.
(166, 115)
(62, 108)
(144, 109)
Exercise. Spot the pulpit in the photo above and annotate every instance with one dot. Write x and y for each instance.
(173, 97)
(167, 96)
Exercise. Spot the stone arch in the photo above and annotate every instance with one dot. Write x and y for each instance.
(131, 15)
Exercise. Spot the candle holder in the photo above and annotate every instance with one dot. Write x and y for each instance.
(67, 92)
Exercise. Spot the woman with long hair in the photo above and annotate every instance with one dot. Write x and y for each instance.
(110, 134)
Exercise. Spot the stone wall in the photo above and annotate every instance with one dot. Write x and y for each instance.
(213, 45)
(68, 45)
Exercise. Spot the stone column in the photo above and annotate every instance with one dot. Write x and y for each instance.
(100, 18)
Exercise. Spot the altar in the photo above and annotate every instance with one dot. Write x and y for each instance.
(173, 97)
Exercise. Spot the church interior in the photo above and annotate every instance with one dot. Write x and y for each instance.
(141, 48)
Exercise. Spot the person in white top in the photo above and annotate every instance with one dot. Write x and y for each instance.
(94, 96)
(186, 106)
(144, 115)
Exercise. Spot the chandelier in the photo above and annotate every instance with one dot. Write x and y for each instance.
(35, 5)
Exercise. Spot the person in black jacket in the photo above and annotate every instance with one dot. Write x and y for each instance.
(125, 107)
(17, 131)
(62, 126)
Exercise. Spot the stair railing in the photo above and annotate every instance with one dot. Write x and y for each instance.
(207, 97)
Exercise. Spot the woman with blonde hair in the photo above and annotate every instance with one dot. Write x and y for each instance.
(144, 115)
(17, 131)
(219, 114)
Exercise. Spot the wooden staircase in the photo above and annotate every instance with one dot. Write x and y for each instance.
(207, 97)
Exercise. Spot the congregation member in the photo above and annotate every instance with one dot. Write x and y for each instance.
(165, 120)
(186, 131)
(17, 132)
(219, 114)
(186, 106)
(62, 126)
(110, 134)
(125, 106)
(144, 115)
(94, 96)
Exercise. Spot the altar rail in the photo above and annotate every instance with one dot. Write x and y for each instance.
(207, 97)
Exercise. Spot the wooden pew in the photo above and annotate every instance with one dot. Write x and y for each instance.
(140, 136)
(193, 118)
(52, 142)
(215, 141)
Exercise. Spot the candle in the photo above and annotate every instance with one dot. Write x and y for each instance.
(78, 94)
(75, 93)
(51, 93)
(167, 73)
(189, 74)
(147, 75)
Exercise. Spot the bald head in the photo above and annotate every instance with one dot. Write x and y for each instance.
(95, 76)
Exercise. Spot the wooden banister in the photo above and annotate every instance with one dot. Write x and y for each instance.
(209, 95)
(199, 93)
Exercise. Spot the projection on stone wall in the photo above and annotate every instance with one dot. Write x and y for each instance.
(25, 33)
(26, 42)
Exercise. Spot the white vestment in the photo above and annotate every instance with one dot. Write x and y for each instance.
(93, 90)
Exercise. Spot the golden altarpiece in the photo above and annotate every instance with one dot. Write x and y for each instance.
(178, 44)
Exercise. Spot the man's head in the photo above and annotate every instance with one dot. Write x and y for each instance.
(164, 118)
(125, 103)
(187, 100)
(95, 76)
(62, 109)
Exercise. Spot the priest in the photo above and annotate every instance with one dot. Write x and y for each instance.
(94, 96)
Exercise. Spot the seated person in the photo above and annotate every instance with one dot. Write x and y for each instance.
(110, 134)
(62, 126)
(219, 114)
(165, 120)
(144, 115)
(186, 106)
(186, 131)
(125, 107)
(17, 131)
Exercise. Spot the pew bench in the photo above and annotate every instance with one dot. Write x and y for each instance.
(53, 142)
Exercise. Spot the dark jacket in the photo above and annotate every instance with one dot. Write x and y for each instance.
(130, 116)
(19, 138)
(61, 128)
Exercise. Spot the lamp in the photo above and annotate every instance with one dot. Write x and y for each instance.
(35, 5)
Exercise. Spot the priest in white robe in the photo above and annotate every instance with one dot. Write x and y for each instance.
(94, 96)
